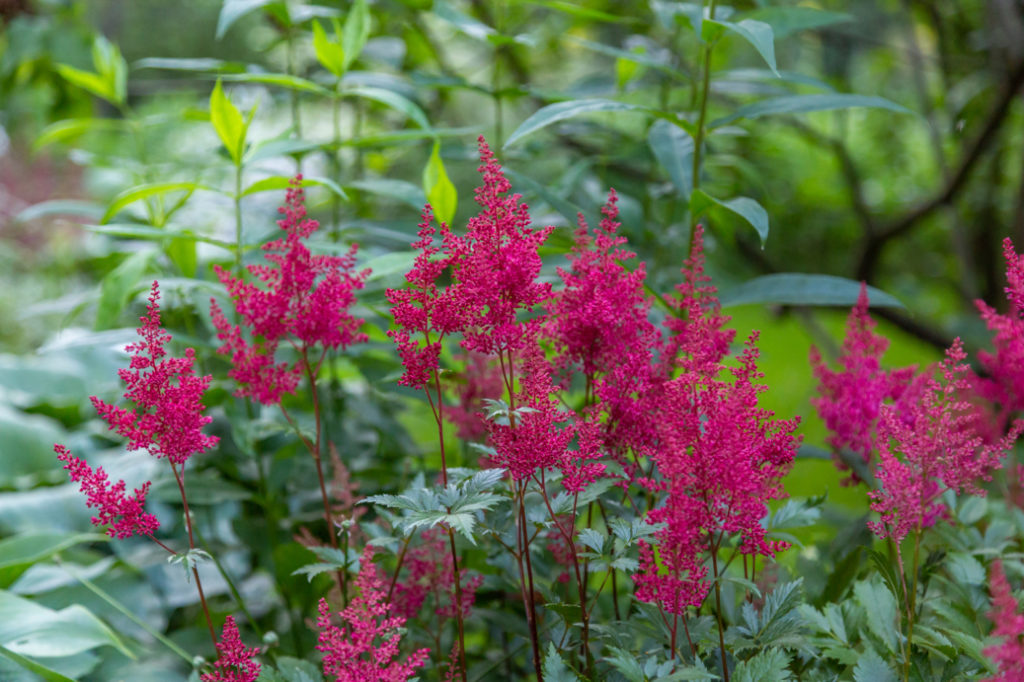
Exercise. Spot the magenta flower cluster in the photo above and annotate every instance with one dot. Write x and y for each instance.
(235, 662)
(304, 302)
(1009, 625)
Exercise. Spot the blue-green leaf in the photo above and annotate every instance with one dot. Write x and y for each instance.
(673, 148)
(792, 288)
(802, 104)
(757, 33)
(787, 20)
(744, 207)
(356, 32)
(233, 10)
(561, 111)
(392, 99)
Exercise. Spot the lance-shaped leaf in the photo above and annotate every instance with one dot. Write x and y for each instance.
(356, 32)
(439, 189)
(329, 52)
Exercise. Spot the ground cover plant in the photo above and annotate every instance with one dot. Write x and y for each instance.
(575, 421)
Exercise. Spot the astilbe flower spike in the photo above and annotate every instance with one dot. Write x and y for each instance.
(851, 398)
(167, 419)
(930, 445)
(1009, 624)
(235, 662)
(365, 648)
(1005, 366)
(305, 300)
(124, 515)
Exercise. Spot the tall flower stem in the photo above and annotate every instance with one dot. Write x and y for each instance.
(718, 607)
(911, 600)
(180, 478)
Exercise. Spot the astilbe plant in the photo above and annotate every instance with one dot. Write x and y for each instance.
(303, 303)
(850, 399)
(719, 458)
(235, 662)
(166, 419)
(1009, 626)
(1004, 365)
(365, 648)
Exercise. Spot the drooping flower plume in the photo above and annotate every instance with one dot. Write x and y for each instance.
(304, 299)
(366, 647)
(235, 662)
(851, 398)
(1005, 364)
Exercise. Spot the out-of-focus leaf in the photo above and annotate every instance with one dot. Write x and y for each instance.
(439, 190)
(553, 113)
(26, 447)
(791, 288)
(29, 629)
(279, 182)
(233, 10)
(396, 189)
(329, 52)
(356, 32)
(70, 128)
(18, 553)
(84, 209)
(281, 80)
(47, 674)
(757, 33)
(802, 104)
(787, 20)
(745, 207)
(119, 285)
(673, 148)
(392, 99)
(140, 192)
(227, 120)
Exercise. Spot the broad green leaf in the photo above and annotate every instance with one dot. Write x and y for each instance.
(84, 209)
(87, 80)
(233, 10)
(296, 670)
(39, 669)
(140, 192)
(802, 104)
(673, 148)
(356, 32)
(555, 669)
(29, 629)
(182, 253)
(135, 231)
(119, 285)
(18, 553)
(553, 113)
(279, 182)
(744, 207)
(392, 99)
(439, 190)
(791, 288)
(68, 129)
(871, 668)
(880, 607)
(757, 33)
(394, 263)
(330, 54)
(787, 20)
(228, 122)
(26, 447)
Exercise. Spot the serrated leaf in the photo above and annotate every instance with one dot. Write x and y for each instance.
(964, 569)
(790, 288)
(555, 668)
(592, 539)
(439, 190)
(881, 611)
(802, 104)
(356, 31)
(627, 664)
(673, 148)
(329, 53)
(553, 113)
(871, 668)
(228, 122)
(745, 207)
(770, 664)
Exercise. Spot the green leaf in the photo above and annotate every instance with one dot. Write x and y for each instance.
(296, 670)
(404, 191)
(871, 668)
(787, 20)
(356, 32)
(592, 539)
(561, 111)
(119, 285)
(70, 128)
(18, 553)
(29, 629)
(330, 54)
(279, 182)
(757, 33)
(439, 190)
(228, 122)
(87, 80)
(770, 664)
(233, 10)
(73, 207)
(391, 99)
(964, 569)
(47, 674)
(627, 664)
(130, 196)
(673, 148)
(565, 208)
(281, 80)
(555, 669)
(880, 607)
(744, 207)
(109, 80)
(791, 288)
(802, 104)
